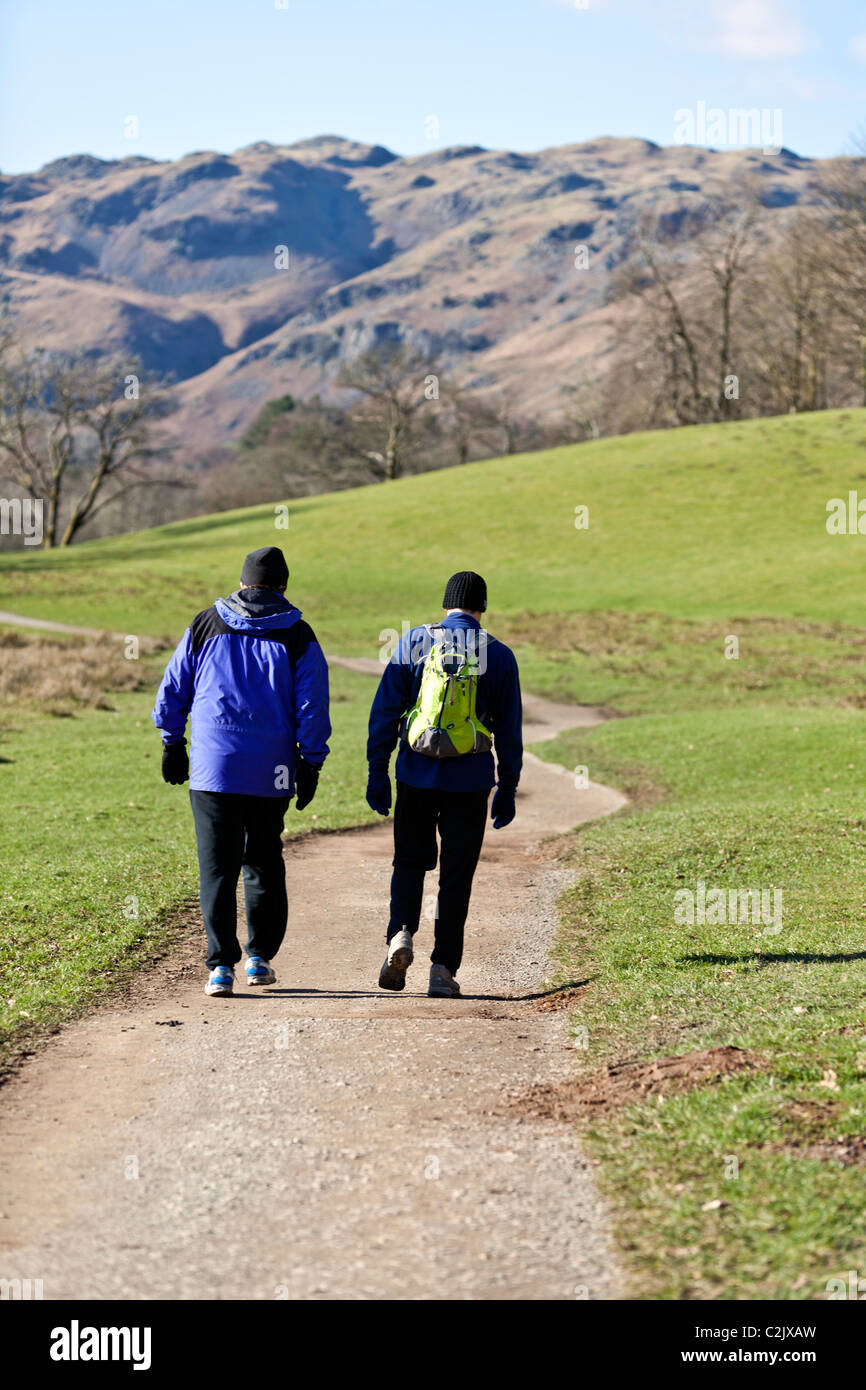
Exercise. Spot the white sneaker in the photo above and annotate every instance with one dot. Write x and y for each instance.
(220, 981)
(259, 971)
(400, 957)
(442, 983)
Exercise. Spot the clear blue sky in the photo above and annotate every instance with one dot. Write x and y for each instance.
(518, 74)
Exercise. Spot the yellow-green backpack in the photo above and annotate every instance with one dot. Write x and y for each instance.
(443, 722)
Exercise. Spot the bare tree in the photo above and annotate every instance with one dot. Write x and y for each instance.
(582, 419)
(72, 426)
(843, 190)
(473, 424)
(724, 261)
(687, 330)
(512, 430)
(791, 320)
(392, 380)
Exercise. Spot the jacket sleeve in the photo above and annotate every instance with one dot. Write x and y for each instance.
(507, 720)
(312, 721)
(390, 703)
(174, 696)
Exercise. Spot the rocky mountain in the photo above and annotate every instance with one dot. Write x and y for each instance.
(466, 252)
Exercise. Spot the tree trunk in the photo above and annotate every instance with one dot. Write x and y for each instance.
(725, 347)
(49, 535)
(81, 510)
(392, 454)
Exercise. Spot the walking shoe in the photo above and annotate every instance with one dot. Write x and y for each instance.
(400, 957)
(220, 981)
(442, 983)
(259, 972)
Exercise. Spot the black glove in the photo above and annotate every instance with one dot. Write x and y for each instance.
(503, 810)
(306, 781)
(175, 763)
(379, 790)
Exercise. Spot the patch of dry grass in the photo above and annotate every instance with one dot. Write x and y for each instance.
(59, 675)
(633, 661)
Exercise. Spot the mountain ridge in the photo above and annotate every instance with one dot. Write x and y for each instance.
(465, 253)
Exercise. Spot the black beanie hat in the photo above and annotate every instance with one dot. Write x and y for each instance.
(466, 590)
(265, 569)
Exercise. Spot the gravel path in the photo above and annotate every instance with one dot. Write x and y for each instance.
(45, 625)
(323, 1139)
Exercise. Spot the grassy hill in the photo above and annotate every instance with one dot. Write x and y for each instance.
(708, 522)
(745, 763)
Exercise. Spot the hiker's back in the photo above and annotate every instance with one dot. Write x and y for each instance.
(487, 703)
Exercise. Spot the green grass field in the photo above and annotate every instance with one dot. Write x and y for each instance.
(707, 522)
(744, 772)
(767, 797)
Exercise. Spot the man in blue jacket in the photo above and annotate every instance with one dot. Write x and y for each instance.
(448, 794)
(251, 677)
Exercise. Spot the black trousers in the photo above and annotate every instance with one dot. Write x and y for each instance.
(460, 818)
(235, 833)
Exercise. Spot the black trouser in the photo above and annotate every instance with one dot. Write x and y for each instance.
(460, 818)
(234, 833)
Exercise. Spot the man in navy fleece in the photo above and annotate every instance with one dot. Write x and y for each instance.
(251, 677)
(445, 794)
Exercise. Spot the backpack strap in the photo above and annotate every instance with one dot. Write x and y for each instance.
(431, 629)
(484, 639)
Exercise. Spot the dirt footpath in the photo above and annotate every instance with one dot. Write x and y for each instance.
(322, 1138)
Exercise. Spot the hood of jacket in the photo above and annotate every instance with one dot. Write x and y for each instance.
(257, 610)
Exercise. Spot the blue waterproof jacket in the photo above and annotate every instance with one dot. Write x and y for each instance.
(251, 677)
(498, 704)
